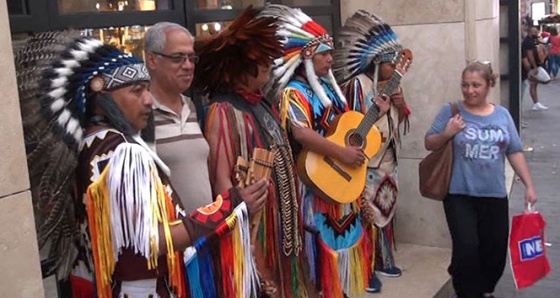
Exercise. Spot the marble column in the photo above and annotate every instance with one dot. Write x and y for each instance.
(20, 274)
(444, 35)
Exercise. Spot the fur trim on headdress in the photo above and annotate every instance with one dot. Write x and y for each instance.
(227, 58)
(301, 38)
(364, 38)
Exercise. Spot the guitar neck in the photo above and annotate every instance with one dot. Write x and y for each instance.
(373, 111)
(393, 83)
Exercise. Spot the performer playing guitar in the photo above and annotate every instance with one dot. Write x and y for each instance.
(310, 99)
(233, 67)
(364, 61)
(330, 177)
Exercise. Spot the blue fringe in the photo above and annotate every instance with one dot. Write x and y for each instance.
(192, 278)
(206, 269)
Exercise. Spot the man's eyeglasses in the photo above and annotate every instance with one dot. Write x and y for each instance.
(179, 59)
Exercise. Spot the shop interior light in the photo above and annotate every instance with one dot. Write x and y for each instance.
(146, 5)
(217, 26)
(204, 27)
(97, 6)
(122, 4)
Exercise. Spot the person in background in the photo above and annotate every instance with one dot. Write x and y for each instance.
(170, 59)
(554, 53)
(476, 208)
(543, 47)
(545, 34)
(309, 98)
(530, 62)
(363, 62)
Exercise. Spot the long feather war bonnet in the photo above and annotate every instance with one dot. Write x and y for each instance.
(301, 38)
(57, 73)
(364, 39)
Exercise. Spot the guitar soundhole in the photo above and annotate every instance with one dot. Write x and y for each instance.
(356, 140)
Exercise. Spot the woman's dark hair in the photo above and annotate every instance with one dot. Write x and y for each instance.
(553, 31)
(485, 69)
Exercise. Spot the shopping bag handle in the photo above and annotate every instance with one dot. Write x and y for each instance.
(530, 208)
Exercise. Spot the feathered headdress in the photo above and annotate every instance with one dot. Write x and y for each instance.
(364, 38)
(227, 57)
(56, 73)
(301, 38)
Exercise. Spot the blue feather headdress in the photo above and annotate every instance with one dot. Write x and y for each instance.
(364, 38)
(86, 66)
(57, 73)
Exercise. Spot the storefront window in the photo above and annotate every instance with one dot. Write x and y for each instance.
(72, 6)
(129, 39)
(16, 7)
(210, 28)
(228, 4)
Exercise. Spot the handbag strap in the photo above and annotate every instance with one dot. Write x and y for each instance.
(454, 111)
(454, 108)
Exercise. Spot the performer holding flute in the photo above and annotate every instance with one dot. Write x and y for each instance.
(234, 66)
(105, 203)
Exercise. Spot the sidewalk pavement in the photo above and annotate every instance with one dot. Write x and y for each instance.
(543, 134)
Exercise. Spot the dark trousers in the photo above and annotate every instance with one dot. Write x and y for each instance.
(479, 230)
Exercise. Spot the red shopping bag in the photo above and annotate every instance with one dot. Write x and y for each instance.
(527, 249)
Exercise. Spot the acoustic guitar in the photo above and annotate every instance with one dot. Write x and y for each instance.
(329, 177)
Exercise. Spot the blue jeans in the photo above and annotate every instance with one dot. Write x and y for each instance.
(553, 64)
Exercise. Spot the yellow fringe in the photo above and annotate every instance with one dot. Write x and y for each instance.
(166, 214)
(284, 104)
(102, 247)
(99, 216)
(358, 269)
(237, 255)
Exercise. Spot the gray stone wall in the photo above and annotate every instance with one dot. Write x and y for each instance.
(20, 274)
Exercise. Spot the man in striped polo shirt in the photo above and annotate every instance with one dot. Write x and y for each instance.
(170, 59)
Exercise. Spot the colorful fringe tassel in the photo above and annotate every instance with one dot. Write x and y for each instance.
(125, 205)
(386, 245)
(344, 271)
(236, 264)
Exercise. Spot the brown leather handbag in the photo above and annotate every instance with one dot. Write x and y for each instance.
(435, 169)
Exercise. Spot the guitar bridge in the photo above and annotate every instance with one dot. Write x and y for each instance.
(337, 168)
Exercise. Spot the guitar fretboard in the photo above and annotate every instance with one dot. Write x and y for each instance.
(371, 115)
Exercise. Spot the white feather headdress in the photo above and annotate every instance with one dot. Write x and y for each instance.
(301, 38)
